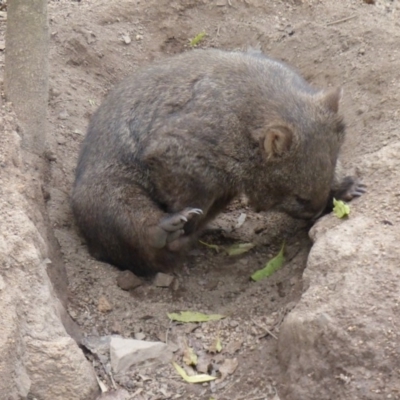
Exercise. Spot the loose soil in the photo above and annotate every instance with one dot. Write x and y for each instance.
(94, 44)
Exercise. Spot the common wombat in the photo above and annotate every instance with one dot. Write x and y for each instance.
(172, 145)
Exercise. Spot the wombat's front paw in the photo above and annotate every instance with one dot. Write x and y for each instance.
(171, 228)
(349, 188)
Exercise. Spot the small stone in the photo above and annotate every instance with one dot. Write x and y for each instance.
(2, 283)
(63, 115)
(163, 280)
(127, 39)
(128, 280)
(104, 305)
(140, 336)
(127, 352)
(175, 285)
(116, 327)
(50, 155)
(139, 37)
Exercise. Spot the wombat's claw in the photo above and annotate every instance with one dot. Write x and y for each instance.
(176, 221)
(358, 190)
(355, 190)
(170, 228)
(189, 211)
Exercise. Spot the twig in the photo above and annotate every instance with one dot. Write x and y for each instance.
(265, 329)
(339, 21)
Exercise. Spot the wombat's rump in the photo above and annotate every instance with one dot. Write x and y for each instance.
(173, 144)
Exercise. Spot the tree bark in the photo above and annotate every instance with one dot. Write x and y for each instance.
(27, 70)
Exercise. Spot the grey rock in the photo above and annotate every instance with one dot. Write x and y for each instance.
(128, 280)
(127, 352)
(163, 280)
(352, 285)
(37, 357)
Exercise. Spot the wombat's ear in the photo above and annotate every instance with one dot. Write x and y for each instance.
(330, 99)
(277, 141)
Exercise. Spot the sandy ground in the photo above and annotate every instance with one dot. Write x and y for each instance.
(96, 43)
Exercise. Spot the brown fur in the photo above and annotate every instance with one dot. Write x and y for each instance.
(194, 131)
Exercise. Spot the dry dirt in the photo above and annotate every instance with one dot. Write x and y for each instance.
(344, 43)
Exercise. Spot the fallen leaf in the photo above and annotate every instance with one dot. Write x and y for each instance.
(211, 246)
(194, 316)
(197, 39)
(216, 347)
(237, 249)
(195, 378)
(189, 356)
(340, 208)
(271, 267)
(234, 346)
(233, 250)
(228, 367)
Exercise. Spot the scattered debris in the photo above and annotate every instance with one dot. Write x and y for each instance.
(194, 378)
(189, 356)
(216, 347)
(120, 394)
(233, 346)
(339, 21)
(228, 367)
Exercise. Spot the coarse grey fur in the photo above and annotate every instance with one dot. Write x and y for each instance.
(173, 144)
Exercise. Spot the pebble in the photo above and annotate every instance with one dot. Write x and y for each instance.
(127, 39)
(63, 115)
(128, 280)
(104, 305)
(163, 280)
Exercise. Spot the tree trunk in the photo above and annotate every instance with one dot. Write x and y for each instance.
(27, 70)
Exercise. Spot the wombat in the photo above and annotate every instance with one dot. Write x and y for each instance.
(173, 144)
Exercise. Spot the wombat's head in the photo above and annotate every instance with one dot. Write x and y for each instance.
(301, 152)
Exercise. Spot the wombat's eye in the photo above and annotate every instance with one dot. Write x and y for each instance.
(302, 201)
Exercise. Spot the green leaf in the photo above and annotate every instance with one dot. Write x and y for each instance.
(271, 267)
(233, 250)
(237, 249)
(197, 39)
(340, 208)
(195, 378)
(218, 345)
(211, 246)
(194, 316)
